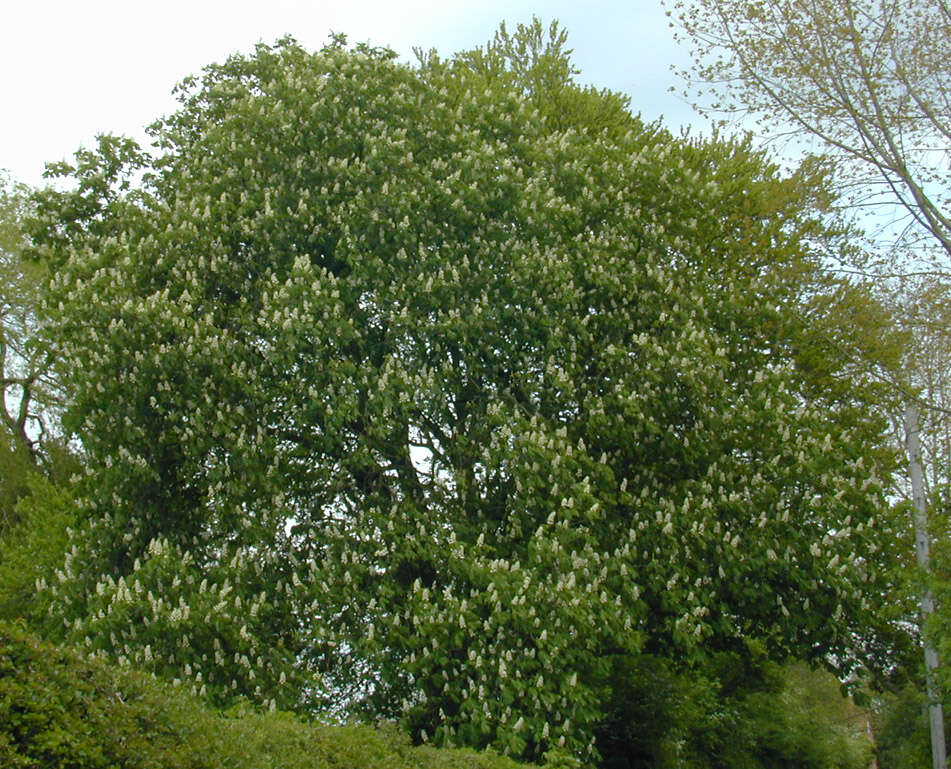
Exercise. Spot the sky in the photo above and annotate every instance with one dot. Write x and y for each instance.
(76, 68)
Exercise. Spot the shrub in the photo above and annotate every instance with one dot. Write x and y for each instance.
(32, 546)
(902, 736)
(60, 710)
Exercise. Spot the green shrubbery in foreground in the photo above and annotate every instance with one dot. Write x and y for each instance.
(59, 710)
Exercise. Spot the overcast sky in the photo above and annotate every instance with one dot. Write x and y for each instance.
(75, 68)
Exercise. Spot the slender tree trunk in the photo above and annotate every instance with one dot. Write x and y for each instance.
(923, 550)
(871, 738)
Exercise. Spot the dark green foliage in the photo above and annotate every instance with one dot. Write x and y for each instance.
(33, 547)
(652, 710)
(16, 466)
(59, 710)
(902, 736)
(807, 723)
(739, 712)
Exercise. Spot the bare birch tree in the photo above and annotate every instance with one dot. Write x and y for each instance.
(866, 81)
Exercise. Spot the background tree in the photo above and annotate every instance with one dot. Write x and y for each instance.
(25, 385)
(867, 82)
(466, 402)
(30, 441)
(923, 313)
(18, 451)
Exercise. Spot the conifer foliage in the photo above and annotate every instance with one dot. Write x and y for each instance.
(441, 389)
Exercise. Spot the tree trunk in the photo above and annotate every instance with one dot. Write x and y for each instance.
(923, 548)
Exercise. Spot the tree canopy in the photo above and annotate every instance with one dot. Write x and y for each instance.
(448, 391)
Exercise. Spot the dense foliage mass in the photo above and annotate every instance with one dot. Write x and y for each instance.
(901, 730)
(61, 711)
(449, 393)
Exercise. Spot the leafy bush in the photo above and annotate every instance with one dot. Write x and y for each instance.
(808, 723)
(15, 469)
(59, 710)
(736, 712)
(902, 736)
(33, 546)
